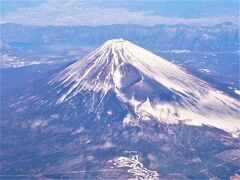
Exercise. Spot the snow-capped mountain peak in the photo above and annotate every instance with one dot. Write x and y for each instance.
(117, 63)
(152, 87)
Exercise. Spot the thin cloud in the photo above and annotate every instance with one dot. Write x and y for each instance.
(74, 12)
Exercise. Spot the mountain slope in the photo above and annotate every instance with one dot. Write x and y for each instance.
(119, 113)
(151, 87)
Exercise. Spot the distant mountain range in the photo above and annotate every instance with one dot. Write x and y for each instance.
(222, 37)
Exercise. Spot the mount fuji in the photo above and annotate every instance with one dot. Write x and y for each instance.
(121, 112)
(148, 86)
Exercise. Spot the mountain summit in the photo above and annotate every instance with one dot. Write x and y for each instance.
(149, 86)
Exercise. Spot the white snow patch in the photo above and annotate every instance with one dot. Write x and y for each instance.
(129, 120)
(237, 91)
(78, 131)
(38, 123)
(135, 167)
(205, 70)
(180, 51)
(109, 113)
(107, 145)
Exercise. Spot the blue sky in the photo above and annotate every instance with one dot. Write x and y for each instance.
(77, 12)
